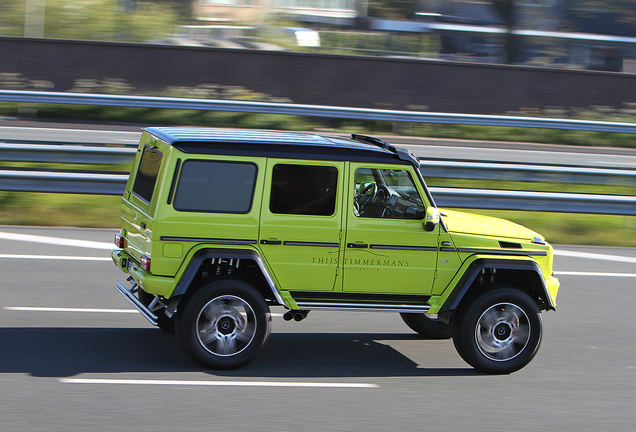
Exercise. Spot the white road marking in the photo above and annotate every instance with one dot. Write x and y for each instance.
(107, 246)
(50, 309)
(568, 273)
(56, 241)
(64, 130)
(56, 257)
(217, 383)
(595, 256)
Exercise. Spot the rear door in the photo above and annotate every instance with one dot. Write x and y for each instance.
(301, 223)
(142, 192)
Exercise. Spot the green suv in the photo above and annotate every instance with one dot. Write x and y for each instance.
(217, 225)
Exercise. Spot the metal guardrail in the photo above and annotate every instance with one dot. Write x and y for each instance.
(62, 182)
(71, 154)
(535, 201)
(311, 110)
(114, 184)
(98, 155)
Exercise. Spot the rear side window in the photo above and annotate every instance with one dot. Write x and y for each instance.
(304, 190)
(216, 187)
(146, 178)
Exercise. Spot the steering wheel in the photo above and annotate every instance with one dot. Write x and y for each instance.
(364, 196)
(382, 195)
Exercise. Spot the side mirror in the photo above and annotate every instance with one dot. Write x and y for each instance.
(432, 219)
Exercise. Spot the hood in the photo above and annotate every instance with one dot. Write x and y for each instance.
(468, 223)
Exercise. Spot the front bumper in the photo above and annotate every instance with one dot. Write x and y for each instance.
(552, 284)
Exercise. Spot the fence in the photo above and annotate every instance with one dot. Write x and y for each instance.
(113, 183)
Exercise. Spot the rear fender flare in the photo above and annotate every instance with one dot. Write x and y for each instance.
(203, 254)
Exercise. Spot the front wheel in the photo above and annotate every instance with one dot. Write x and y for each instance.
(224, 324)
(499, 332)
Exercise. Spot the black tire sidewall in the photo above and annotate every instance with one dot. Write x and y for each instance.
(466, 321)
(163, 322)
(186, 323)
(427, 327)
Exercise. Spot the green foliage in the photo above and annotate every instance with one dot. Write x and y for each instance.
(93, 20)
(372, 43)
(395, 9)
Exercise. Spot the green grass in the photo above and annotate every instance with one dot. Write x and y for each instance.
(44, 209)
(559, 228)
(574, 229)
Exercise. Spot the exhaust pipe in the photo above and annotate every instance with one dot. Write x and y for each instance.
(296, 315)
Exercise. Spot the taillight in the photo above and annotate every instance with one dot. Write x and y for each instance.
(145, 262)
(120, 241)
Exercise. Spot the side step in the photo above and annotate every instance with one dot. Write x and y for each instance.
(129, 293)
(373, 307)
(361, 301)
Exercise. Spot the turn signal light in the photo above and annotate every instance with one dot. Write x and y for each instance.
(120, 241)
(145, 262)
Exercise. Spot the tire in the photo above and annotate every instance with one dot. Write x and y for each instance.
(499, 331)
(163, 322)
(224, 324)
(427, 326)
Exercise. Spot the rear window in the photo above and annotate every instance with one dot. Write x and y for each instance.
(304, 190)
(215, 186)
(146, 178)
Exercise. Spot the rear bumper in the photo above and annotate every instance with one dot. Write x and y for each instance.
(157, 285)
(129, 293)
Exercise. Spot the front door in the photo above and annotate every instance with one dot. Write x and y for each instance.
(387, 249)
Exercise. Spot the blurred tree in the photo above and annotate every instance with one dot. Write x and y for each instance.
(395, 9)
(512, 45)
(130, 20)
(12, 17)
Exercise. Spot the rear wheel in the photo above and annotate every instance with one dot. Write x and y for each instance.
(427, 325)
(499, 331)
(224, 324)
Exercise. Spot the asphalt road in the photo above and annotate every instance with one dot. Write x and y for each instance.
(75, 357)
(432, 148)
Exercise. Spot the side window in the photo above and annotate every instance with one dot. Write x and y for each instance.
(215, 186)
(387, 193)
(146, 177)
(303, 190)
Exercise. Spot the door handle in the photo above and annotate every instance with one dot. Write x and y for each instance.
(271, 242)
(357, 245)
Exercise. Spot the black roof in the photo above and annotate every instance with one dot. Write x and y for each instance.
(247, 142)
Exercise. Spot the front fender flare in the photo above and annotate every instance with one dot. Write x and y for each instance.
(471, 273)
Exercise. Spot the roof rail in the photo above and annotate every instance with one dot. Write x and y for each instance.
(372, 140)
(402, 153)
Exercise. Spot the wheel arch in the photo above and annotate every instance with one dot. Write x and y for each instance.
(527, 271)
(196, 262)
